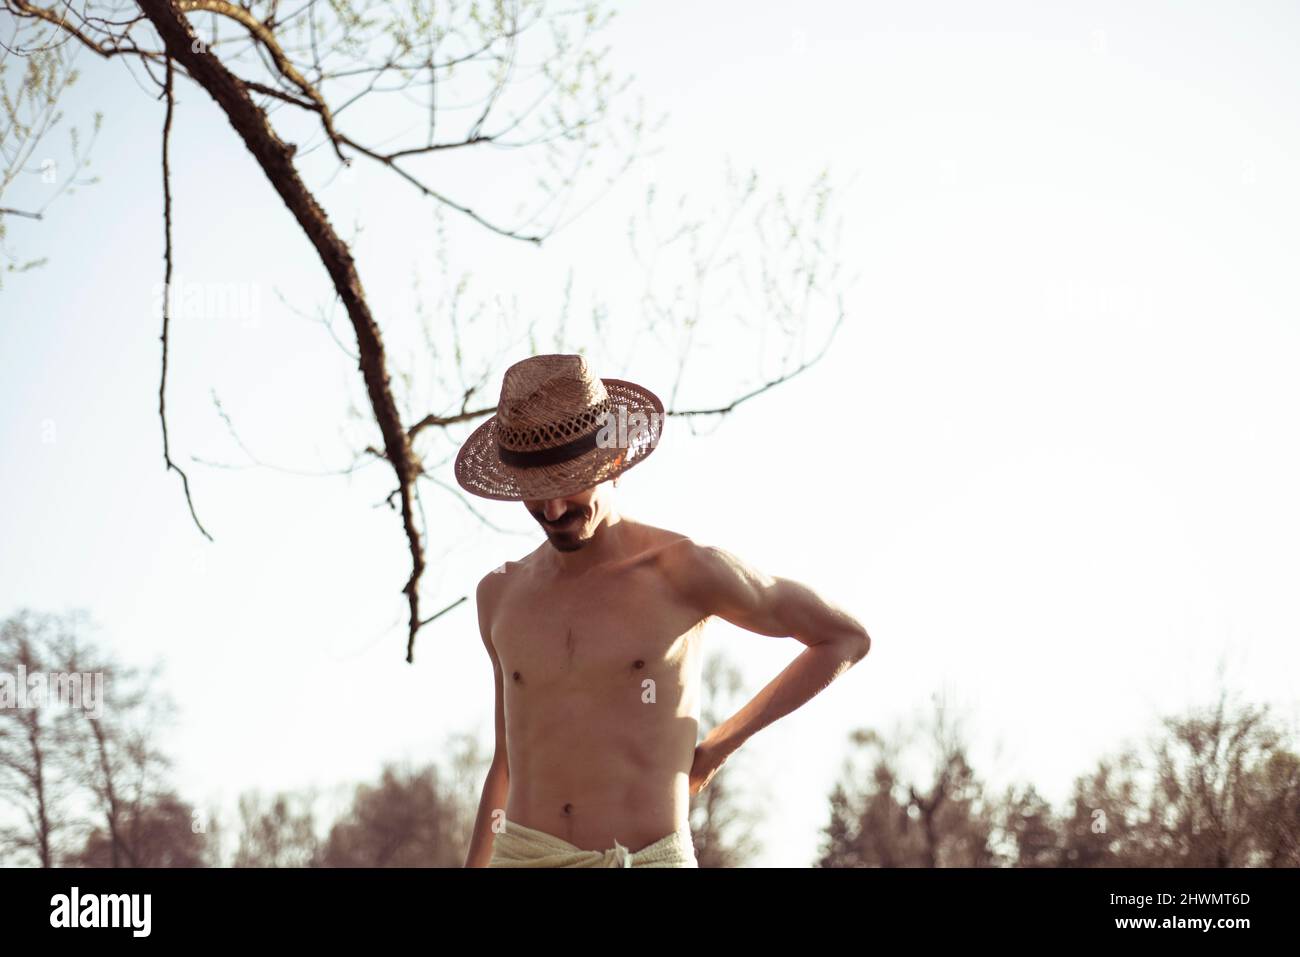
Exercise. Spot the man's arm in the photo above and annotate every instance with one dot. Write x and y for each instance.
(497, 786)
(721, 584)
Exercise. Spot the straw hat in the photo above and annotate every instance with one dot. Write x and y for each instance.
(558, 430)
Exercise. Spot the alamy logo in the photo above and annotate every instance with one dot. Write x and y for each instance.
(102, 910)
(203, 300)
(625, 430)
(80, 690)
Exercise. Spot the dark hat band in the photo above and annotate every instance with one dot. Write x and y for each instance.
(552, 456)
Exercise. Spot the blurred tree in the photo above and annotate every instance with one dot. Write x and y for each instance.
(37, 770)
(162, 834)
(722, 827)
(1031, 825)
(212, 833)
(1206, 766)
(115, 751)
(869, 825)
(1215, 787)
(1275, 814)
(82, 761)
(409, 819)
(881, 816)
(1223, 792)
(1103, 827)
(468, 762)
(277, 831)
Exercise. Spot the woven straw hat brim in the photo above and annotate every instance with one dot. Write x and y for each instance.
(480, 471)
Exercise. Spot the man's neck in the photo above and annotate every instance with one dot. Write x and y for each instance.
(605, 545)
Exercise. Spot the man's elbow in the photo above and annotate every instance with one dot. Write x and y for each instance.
(857, 644)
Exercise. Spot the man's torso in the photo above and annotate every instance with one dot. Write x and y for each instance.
(601, 680)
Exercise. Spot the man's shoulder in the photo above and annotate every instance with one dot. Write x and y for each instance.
(503, 572)
(702, 572)
(692, 570)
(493, 585)
(664, 544)
(681, 558)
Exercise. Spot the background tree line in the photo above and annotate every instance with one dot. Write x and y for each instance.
(1216, 786)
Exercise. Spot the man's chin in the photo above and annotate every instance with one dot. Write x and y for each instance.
(567, 544)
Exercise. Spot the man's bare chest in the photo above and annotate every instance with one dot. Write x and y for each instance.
(620, 623)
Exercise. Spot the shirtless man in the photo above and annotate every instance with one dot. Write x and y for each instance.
(595, 643)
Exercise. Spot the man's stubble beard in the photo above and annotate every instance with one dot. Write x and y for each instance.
(566, 544)
(570, 540)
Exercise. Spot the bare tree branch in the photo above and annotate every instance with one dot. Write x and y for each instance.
(444, 611)
(445, 420)
(265, 36)
(60, 20)
(304, 63)
(773, 383)
(166, 303)
(434, 194)
(275, 158)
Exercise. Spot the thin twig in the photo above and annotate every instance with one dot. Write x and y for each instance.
(167, 287)
(723, 410)
(434, 194)
(445, 420)
(438, 615)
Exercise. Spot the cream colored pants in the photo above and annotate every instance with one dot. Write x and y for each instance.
(520, 846)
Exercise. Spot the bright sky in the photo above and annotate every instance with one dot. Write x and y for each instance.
(1047, 462)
